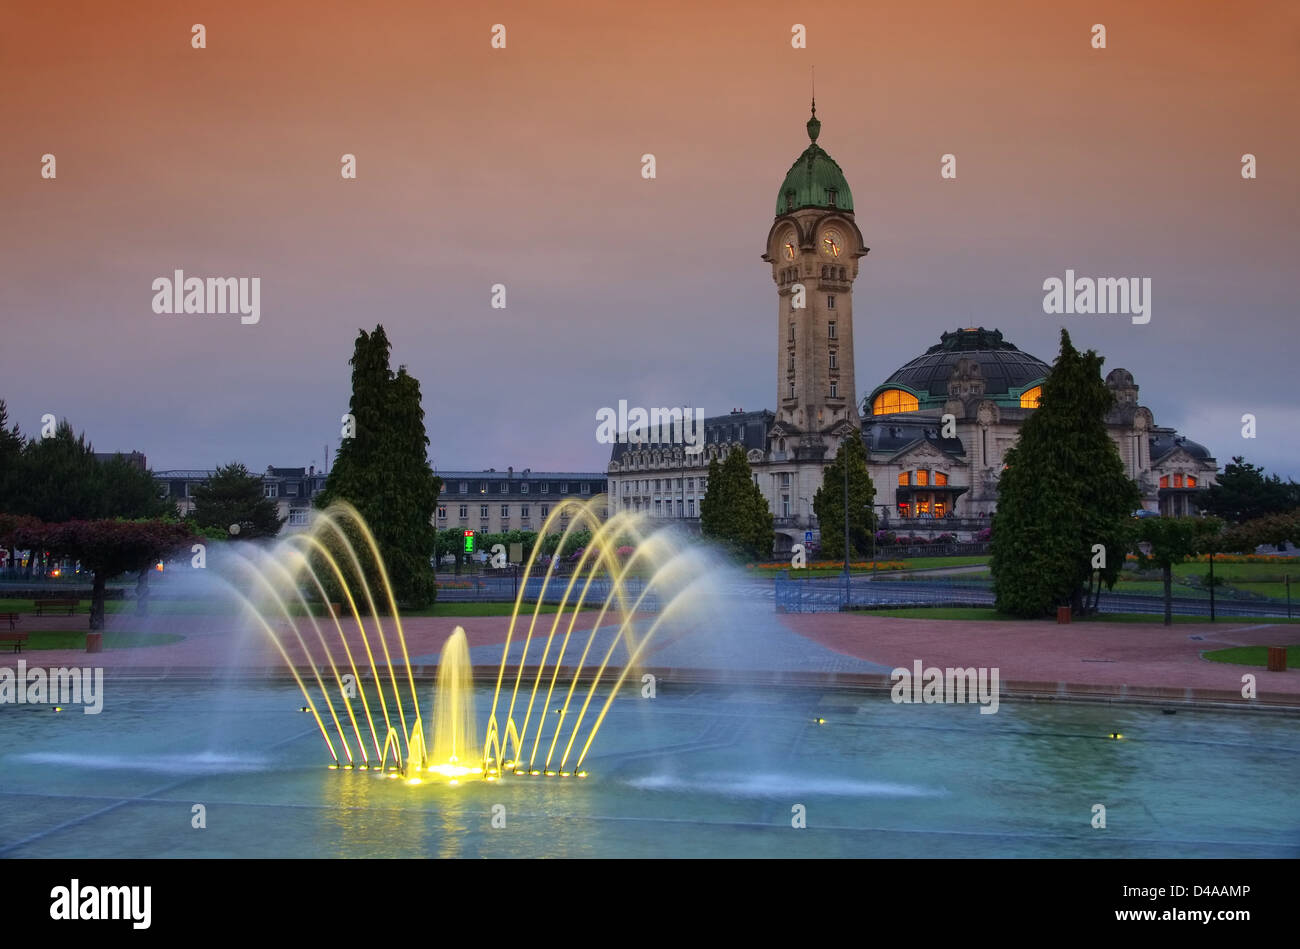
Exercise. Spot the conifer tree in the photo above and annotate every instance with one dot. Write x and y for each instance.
(734, 512)
(1065, 504)
(383, 470)
(828, 502)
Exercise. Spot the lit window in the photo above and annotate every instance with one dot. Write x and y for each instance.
(1029, 400)
(903, 509)
(922, 476)
(894, 400)
(1178, 481)
(1164, 481)
(905, 477)
(940, 478)
(1191, 482)
(938, 509)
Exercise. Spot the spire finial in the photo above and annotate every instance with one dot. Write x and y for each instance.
(814, 125)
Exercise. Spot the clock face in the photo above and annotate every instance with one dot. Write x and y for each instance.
(832, 243)
(788, 249)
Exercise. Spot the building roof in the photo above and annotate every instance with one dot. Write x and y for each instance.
(1003, 366)
(188, 474)
(893, 435)
(746, 428)
(1166, 440)
(812, 176)
(524, 475)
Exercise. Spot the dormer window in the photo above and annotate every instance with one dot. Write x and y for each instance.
(831, 197)
(789, 200)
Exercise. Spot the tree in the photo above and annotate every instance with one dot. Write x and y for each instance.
(1063, 492)
(1243, 493)
(11, 451)
(828, 502)
(107, 548)
(1275, 529)
(58, 478)
(383, 469)
(734, 512)
(233, 496)
(1167, 541)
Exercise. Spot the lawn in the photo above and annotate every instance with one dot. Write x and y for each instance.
(911, 563)
(1252, 656)
(988, 613)
(76, 639)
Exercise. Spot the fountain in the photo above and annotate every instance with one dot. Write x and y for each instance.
(360, 700)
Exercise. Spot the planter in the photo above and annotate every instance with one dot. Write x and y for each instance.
(94, 642)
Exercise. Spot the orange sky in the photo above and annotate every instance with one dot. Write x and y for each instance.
(521, 166)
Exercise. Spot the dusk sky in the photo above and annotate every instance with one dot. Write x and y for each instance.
(522, 166)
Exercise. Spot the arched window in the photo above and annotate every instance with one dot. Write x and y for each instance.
(904, 477)
(894, 400)
(1029, 399)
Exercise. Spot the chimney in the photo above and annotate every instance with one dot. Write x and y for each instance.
(510, 471)
(312, 470)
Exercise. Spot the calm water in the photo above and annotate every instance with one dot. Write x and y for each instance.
(694, 772)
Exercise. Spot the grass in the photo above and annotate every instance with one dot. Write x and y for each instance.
(1253, 656)
(988, 613)
(911, 563)
(76, 639)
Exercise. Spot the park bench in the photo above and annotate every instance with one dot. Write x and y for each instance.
(11, 635)
(57, 603)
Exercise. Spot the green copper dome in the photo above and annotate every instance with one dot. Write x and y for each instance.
(814, 180)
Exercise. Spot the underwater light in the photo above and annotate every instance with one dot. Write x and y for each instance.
(820, 721)
(1116, 735)
(58, 708)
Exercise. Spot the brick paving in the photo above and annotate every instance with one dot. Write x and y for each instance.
(748, 637)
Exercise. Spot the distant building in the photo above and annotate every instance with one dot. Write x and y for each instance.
(135, 458)
(291, 488)
(492, 502)
(927, 481)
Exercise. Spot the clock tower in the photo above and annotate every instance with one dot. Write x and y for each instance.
(814, 247)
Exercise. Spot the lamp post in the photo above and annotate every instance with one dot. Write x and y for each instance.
(845, 455)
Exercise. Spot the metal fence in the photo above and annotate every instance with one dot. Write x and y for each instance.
(832, 594)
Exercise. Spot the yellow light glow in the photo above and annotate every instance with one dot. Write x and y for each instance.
(1030, 398)
(894, 400)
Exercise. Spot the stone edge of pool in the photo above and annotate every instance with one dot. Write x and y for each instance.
(1010, 690)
